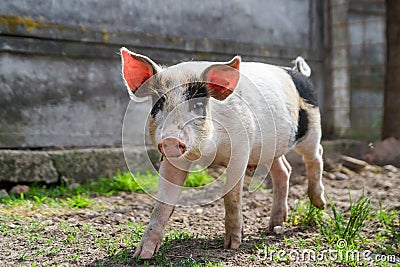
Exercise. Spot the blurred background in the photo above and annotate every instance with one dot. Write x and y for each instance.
(60, 82)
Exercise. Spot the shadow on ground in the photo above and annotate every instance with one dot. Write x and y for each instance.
(195, 251)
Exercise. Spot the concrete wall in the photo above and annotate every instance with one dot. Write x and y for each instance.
(60, 82)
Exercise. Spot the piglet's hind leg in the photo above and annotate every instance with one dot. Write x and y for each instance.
(280, 172)
(312, 157)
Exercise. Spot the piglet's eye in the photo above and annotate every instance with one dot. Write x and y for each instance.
(158, 106)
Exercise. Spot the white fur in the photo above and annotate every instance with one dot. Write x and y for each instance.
(301, 66)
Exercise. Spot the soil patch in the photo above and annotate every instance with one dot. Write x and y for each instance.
(53, 242)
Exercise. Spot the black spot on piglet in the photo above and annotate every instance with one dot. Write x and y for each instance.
(158, 105)
(304, 86)
(302, 124)
(196, 90)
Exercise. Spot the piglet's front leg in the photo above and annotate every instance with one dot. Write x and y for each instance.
(233, 200)
(169, 189)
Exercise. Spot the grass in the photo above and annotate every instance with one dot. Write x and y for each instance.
(388, 237)
(78, 195)
(334, 225)
(344, 232)
(76, 201)
(164, 258)
(337, 227)
(198, 178)
(117, 242)
(304, 213)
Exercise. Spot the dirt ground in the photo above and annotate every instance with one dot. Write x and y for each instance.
(206, 223)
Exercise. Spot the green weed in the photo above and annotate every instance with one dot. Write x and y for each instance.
(256, 184)
(333, 225)
(178, 235)
(126, 182)
(78, 195)
(337, 227)
(122, 256)
(385, 217)
(388, 237)
(304, 213)
(198, 178)
(78, 201)
(39, 200)
(162, 259)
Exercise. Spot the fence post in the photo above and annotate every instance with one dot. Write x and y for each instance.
(338, 96)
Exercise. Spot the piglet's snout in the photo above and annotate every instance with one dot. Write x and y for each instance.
(171, 147)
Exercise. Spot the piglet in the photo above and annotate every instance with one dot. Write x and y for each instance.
(233, 114)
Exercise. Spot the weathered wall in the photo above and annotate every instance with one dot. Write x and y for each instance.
(354, 100)
(59, 67)
(367, 58)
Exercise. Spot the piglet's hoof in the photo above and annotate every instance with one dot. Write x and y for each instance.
(277, 219)
(317, 199)
(233, 239)
(278, 230)
(146, 251)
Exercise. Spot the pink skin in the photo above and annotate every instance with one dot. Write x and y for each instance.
(312, 156)
(233, 197)
(169, 189)
(171, 147)
(280, 172)
(233, 216)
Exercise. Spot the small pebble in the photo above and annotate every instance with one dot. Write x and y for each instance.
(119, 218)
(37, 216)
(19, 189)
(387, 185)
(341, 176)
(71, 220)
(179, 220)
(370, 168)
(12, 226)
(390, 168)
(3, 193)
(330, 176)
(278, 230)
(199, 211)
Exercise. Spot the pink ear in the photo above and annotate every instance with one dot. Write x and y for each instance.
(135, 69)
(222, 79)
